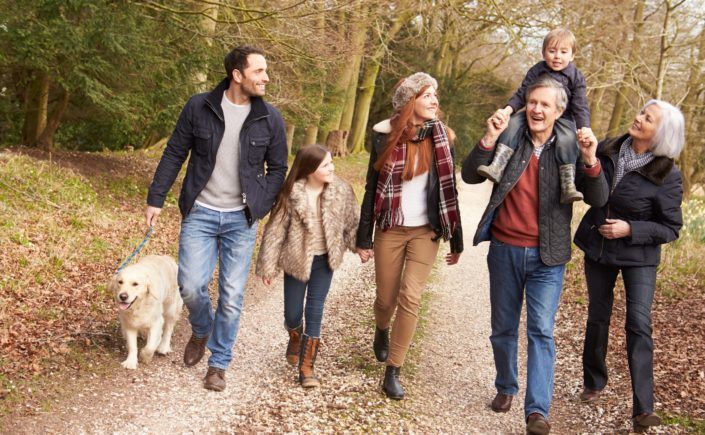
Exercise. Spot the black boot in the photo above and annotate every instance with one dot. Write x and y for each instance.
(391, 385)
(381, 344)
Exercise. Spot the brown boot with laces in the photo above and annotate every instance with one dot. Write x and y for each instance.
(294, 347)
(307, 358)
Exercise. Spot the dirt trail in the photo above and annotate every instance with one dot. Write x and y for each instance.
(449, 379)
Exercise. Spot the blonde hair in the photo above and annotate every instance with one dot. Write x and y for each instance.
(556, 36)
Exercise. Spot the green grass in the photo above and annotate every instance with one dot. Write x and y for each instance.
(682, 270)
(690, 424)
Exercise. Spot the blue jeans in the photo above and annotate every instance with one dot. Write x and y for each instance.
(314, 291)
(206, 236)
(513, 272)
(639, 284)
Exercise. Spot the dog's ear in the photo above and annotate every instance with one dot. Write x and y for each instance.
(149, 286)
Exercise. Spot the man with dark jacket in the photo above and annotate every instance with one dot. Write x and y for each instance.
(228, 135)
(529, 233)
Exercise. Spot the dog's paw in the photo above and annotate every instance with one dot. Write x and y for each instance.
(164, 351)
(129, 364)
(146, 356)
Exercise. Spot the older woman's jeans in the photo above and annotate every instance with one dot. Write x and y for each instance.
(515, 271)
(314, 292)
(208, 236)
(639, 283)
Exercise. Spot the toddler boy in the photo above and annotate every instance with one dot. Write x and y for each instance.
(558, 54)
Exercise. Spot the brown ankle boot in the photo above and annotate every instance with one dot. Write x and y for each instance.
(307, 357)
(294, 346)
(195, 348)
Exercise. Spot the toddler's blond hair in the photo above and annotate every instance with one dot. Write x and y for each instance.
(556, 36)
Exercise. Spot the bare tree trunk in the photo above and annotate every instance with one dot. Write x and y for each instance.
(621, 94)
(290, 128)
(35, 114)
(367, 86)
(207, 26)
(337, 143)
(336, 94)
(358, 46)
(46, 139)
(311, 135)
(688, 158)
(318, 91)
(362, 108)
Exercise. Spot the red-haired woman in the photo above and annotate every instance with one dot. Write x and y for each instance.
(411, 198)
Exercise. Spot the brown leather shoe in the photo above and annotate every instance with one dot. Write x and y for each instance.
(195, 348)
(590, 396)
(215, 379)
(642, 422)
(536, 424)
(502, 403)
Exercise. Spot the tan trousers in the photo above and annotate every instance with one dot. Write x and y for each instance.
(404, 257)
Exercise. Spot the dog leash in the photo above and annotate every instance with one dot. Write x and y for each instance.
(137, 250)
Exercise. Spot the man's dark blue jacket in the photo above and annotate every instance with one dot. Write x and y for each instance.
(199, 131)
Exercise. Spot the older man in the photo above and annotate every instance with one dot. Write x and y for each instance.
(529, 233)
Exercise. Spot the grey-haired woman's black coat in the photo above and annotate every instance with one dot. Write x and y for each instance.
(649, 199)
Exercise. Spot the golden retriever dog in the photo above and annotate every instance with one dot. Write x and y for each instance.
(148, 300)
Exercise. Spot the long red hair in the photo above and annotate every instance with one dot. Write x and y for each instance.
(403, 130)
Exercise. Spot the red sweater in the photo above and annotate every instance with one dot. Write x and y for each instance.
(517, 220)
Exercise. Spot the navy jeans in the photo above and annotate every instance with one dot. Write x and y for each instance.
(515, 271)
(207, 236)
(639, 284)
(314, 293)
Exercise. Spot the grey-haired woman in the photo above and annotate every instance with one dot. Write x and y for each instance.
(625, 235)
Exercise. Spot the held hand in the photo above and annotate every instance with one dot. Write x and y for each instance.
(267, 281)
(507, 111)
(151, 214)
(615, 229)
(496, 124)
(452, 258)
(365, 254)
(587, 143)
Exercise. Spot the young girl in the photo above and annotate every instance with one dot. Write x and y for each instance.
(410, 203)
(312, 224)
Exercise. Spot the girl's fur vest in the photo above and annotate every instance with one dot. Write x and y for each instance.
(287, 243)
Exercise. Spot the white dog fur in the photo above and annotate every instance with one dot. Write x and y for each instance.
(148, 300)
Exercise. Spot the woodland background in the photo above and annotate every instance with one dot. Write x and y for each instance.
(113, 74)
(90, 90)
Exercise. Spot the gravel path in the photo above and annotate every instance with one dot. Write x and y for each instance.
(457, 368)
(448, 378)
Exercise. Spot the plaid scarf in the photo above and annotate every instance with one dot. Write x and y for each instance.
(388, 212)
(629, 160)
